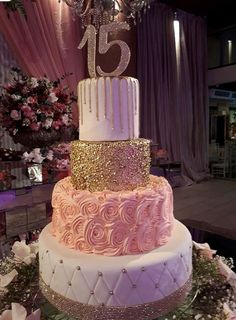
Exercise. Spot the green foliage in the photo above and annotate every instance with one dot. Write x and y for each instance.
(24, 288)
(209, 292)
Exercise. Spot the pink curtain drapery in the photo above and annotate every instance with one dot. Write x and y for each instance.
(45, 43)
(174, 110)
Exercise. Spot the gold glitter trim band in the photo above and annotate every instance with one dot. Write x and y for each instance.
(114, 165)
(146, 311)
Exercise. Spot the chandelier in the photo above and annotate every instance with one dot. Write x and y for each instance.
(99, 12)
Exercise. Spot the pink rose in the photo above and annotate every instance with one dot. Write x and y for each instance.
(131, 244)
(68, 209)
(28, 112)
(32, 100)
(67, 238)
(88, 205)
(117, 234)
(128, 211)
(95, 235)
(57, 124)
(146, 236)
(54, 225)
(167, 194)
(145, 210)
(59, 107)
(56, 195)
(78, 225)
(109, 209)
(83, 246)
(57, 226)
(163, 232)
(35, 126)
(25, 108)
(15, 115)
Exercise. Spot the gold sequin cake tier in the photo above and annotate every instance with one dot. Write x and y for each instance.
(113, 165)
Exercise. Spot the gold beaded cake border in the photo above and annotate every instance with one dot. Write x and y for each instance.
(146, 311)
(110, 165)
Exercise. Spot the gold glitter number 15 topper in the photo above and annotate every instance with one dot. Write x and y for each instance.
(104, 46)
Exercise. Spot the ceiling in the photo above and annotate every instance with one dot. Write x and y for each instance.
(219, 14)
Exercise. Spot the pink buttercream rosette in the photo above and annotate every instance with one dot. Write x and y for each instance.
(113, 223)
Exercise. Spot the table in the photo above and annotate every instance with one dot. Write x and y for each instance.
(168, 166)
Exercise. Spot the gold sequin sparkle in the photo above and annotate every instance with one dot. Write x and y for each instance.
(145, 311)
(115, 166)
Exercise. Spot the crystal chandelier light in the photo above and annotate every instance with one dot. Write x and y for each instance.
(98, 12)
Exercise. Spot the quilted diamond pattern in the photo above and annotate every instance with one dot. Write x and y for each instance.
(101, 290)
(122, 281)
(122, 288)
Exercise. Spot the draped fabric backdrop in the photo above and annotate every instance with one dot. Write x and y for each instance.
(6, 62)
(174, 110)
(45, 43)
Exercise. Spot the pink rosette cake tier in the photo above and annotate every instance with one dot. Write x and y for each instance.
(113, 223)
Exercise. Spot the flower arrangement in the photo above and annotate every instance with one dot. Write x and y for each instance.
(55, 158)
(54, 162)
(212, 295)
(28, 104)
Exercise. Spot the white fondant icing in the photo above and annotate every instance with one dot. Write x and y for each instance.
(109, 109)
(119, 280)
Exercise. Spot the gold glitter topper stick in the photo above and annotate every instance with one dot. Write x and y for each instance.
(104, 46)
(90, 36)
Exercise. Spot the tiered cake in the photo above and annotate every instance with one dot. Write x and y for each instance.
(113, 249)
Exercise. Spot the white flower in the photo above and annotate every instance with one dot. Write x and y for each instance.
(33, 82)
(50, 155)
(204, 249)
(15, 97)
(37, 157)
(48, 123)
(23, 252)
(226, 271)
(52, 97)
(34, 247)
(66, 120)
(230, 314)
(28, 156)
(18, 312)
(7, 278)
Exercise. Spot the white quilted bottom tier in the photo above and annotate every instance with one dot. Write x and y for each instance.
(90, 286)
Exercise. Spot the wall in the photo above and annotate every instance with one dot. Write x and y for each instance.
(222, 75)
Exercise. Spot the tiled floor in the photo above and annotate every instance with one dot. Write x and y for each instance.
(209, 206)
(209, 210)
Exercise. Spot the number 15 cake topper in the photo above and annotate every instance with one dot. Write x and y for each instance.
(104, 46)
